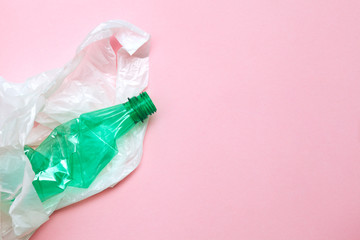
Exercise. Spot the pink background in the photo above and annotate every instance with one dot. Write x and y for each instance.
(257, 135)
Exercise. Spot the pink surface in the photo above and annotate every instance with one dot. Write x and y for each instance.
(258, 126)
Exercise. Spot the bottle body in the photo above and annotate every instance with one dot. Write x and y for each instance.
(75, 152)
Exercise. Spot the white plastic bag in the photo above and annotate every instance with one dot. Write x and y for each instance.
(110, 66)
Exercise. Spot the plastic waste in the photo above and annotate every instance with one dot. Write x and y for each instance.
(75, 152)
(110, 66)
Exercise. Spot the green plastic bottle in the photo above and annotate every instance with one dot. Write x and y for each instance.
(75, 152)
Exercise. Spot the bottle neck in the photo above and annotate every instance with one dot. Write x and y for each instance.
(140, 107)
(115, 121)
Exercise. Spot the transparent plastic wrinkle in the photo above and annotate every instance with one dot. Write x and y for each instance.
(109, 66)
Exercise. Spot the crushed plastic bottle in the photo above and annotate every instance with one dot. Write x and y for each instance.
(75, 152)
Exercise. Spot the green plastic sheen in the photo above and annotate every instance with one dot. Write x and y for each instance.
(75, 152)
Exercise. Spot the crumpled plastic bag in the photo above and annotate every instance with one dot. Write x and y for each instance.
(109, 66)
